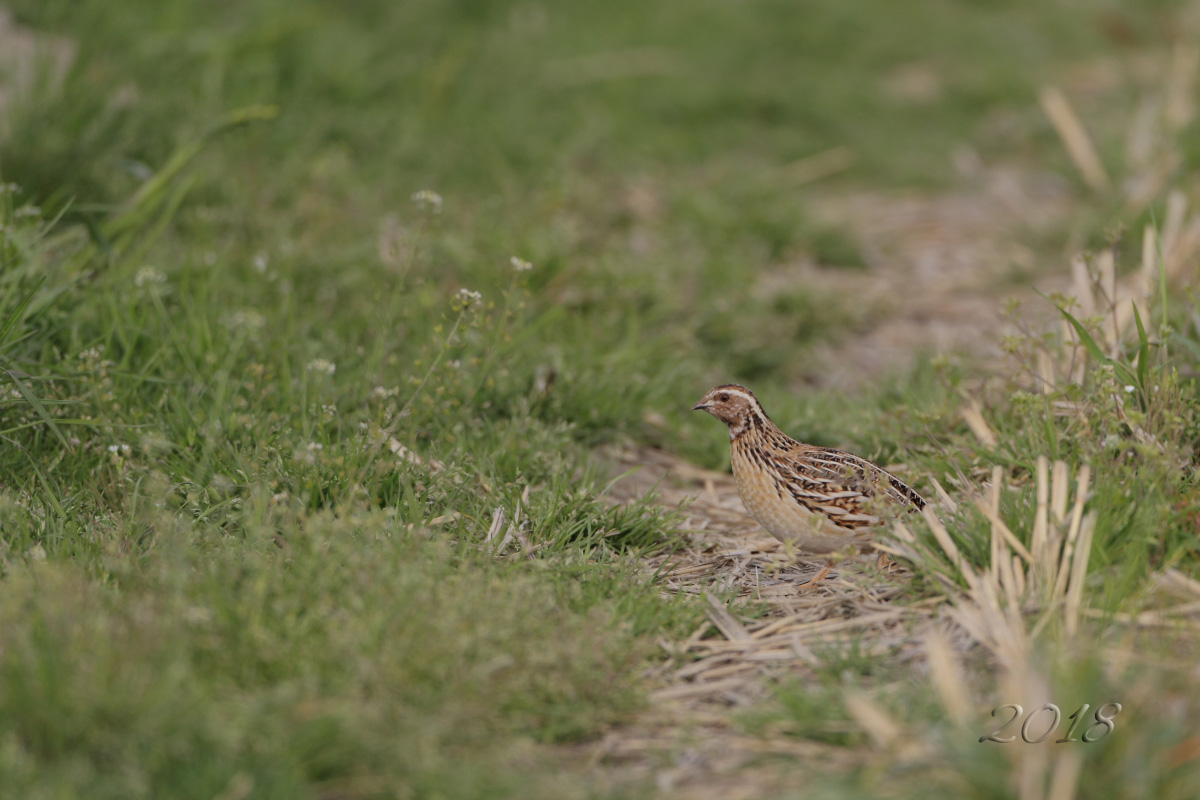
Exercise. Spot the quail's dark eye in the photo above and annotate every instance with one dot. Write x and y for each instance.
(724, 398)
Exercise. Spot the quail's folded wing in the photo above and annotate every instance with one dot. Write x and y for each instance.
(830, 482)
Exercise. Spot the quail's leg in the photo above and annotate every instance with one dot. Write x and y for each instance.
(814, 580)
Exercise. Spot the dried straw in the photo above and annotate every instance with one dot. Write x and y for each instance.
(1075, 138)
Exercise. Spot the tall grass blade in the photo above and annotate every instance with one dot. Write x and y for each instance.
(18, 313)
(37, 405)
(1085, 338)
(1143, 350)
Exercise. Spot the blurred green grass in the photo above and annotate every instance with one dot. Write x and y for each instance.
(222, 580)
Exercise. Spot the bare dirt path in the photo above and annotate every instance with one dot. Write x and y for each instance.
(940, 268)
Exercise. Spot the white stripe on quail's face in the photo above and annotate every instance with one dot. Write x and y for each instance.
(733, 405)
(749, 398)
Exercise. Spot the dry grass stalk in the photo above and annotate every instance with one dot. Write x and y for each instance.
(1058, 492)
(946, 674)
(1149, 271)
(998, 548)
(948, 502)
(1081, 284)
(874, 720)
(1079, 564)
(1173, 222)
(1045, 371)
(820, 165)
(725, 621)
(1181, 86)
(972, 414)
(1142, 134)
(1176, 581)
(1068, 553)
(1000, 530)
(1106, 286)
(1065, 778)
(1075, 138)
(1039, 542)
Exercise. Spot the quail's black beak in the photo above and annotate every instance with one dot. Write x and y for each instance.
(700, 406)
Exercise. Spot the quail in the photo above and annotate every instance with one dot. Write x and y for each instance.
(824, 500)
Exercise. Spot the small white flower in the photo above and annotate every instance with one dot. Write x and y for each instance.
(149, 277)
(260, 262)
(520, 265)
(113, 448)
(1129, 389)
(468, 299)
(244, 319)
(27, 210)
(322, 366)
(427, 200)
(314, 446)
(384, 393)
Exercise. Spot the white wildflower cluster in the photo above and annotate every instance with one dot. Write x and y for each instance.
(520, 265)
(27, 210)
(149, 277)
(245, 320)
(427, 200)
(9, 188)
(117, 453)
(321, 366)
(310, 452)
(382, 393)
(92, 358)
(467, 299)
(406, 456)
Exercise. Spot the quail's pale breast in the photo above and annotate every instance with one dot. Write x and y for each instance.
(783, 517)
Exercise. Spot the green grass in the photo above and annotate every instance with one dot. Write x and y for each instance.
(205, 661)
(254, 433)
